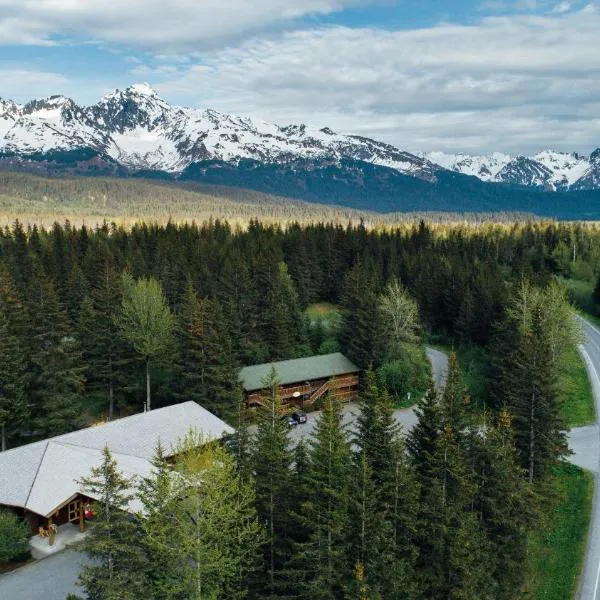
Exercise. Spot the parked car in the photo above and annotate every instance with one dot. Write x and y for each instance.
(289, 420)
(299, 416)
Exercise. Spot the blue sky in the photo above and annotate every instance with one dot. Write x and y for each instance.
(509, 75)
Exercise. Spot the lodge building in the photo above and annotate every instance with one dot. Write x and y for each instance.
(40, 481)
(303, 381)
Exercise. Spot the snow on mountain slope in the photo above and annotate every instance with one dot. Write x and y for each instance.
(485, 168)
(566, 168)
(9, 113)
(138, 129)
(525, 171)
(548, 169)
(591, 178)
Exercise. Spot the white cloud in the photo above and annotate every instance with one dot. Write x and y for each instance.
(515, 83)
(155, 24)
(31, 83)
(509, 83)
(561, 8)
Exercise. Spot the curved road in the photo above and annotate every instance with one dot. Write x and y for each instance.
(585, 444)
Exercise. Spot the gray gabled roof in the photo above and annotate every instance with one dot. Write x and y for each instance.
(297, 370)
(42, 476)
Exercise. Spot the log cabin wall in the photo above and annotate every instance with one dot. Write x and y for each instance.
(343, 387)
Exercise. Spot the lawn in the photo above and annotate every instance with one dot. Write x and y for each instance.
(578, 407)
(556, 553)
(328, 314)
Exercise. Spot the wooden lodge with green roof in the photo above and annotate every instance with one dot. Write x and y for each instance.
(303, 381)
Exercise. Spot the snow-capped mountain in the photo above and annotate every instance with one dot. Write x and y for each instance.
(485, 168)
(549, 170)
(136, 130)
(139, 130)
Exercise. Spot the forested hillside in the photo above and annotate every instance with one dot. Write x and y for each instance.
(104, 321)
(92, 200)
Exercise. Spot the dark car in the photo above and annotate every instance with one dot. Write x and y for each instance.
(299, 416)
(289, 420)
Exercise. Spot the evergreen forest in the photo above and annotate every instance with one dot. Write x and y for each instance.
(102, 322)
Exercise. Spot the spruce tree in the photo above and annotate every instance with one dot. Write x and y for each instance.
(116, 570)
(161, 535)
(104, 350)
(532, 398)
(504, 505)
(57, 372)
(596, 294)
(384, 498)
(324, 557)
(449, 538)
(271, 464)
(455, 399)
(206, 369)
(361, 336)
(217, 519)
(14, 411)
(14, 379)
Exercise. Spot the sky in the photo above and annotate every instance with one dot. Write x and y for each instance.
(473, 76)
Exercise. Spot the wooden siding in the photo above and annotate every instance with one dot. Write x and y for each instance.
(343, 387)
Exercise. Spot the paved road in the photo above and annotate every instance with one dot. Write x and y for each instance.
(50, 579)
(406, 417)
(585, 443)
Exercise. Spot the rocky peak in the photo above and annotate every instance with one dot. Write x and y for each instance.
(525, 171)
(48, 108)
(136, 106)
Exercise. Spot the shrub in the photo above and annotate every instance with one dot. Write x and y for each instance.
(14, 533)
(411, 373)
(329, 346)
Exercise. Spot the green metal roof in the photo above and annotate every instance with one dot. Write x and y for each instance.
(297, 370)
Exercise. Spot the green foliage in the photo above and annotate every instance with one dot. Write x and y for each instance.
(361, 329)
(409, 374)
(57, 369)
(116, 570)
(99, 335)
(271, 461)
(578, 407)
(530, 357)
(504, 502)
(146, 322)
(556, 552)
(14, 535)
(322, 557)
(384, 499)
(328, 346)
(206, 367)
(13, 401)
(215, 522)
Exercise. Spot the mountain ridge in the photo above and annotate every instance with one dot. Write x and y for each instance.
(135, 133)
(140, 130)
(551, 170)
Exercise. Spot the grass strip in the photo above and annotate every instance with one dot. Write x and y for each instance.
(556, 554)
